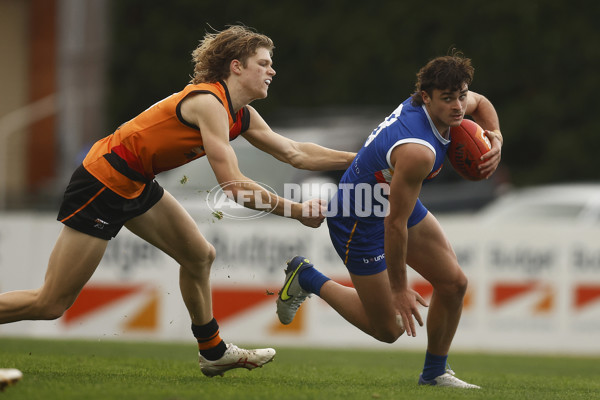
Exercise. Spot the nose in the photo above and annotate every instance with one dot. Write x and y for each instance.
(272, 71)
(458, 104)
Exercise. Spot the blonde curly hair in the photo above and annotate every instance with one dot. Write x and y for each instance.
(216, 50)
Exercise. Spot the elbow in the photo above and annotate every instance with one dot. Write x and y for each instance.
(394, 224)
(395, 227)
(298, 157)
(297, 161)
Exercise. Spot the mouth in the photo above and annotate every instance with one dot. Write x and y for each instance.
(268, 82)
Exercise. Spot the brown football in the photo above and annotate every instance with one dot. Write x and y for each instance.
(468, 142)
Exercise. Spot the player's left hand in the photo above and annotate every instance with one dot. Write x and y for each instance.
(491, 159)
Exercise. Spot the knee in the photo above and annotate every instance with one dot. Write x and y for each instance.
(52, 312)
(460, 285)
(200, 264)
(388, 337)
(456, 286)
(388, 334)
(50, 309)
(208, 257)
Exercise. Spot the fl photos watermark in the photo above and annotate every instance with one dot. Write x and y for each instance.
(234, 200)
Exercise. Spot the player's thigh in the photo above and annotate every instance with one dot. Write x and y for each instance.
(72, 262)
(168, 226)
(376, 296)
(430, 254)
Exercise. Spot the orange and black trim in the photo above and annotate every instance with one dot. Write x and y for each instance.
(210, 342)
(128, 166)
(85, 205)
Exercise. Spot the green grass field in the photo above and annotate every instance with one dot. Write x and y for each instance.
(88, 370)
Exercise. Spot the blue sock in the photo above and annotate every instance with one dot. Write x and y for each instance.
(434, 366)
(312, 280)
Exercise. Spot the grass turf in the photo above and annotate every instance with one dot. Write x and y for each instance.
(88, 370)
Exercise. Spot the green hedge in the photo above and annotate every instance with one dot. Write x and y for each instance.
(536, 60)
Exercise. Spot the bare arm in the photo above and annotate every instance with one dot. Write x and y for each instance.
(412, 163)
(209, 115)
(300, 155)
(484, 113)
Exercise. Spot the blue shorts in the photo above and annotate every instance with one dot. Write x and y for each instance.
(360, 243)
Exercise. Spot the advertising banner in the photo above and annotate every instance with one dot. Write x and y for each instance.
(531, 288)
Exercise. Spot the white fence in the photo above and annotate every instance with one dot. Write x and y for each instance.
(531, 289)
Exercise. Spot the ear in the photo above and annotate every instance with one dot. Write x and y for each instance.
(425, 97)
(236, 67)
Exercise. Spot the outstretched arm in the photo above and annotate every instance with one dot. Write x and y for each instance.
(210, 116)
(300, 155)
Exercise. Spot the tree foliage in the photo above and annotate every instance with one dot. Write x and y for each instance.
(536, 60)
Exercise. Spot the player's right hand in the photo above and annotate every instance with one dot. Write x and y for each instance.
(313, 213)
(406, 307)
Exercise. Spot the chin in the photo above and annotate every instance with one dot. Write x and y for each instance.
(454, 122)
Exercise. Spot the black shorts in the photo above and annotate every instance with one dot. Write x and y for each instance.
(90, 207)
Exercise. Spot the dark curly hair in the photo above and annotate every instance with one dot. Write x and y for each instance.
(444, 73)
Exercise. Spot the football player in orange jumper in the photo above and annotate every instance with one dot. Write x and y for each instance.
(115, 187)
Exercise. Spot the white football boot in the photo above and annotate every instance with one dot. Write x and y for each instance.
(235, 357)
(9, 376)
(447, 380)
